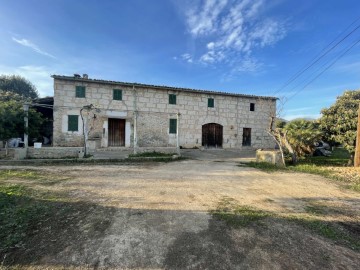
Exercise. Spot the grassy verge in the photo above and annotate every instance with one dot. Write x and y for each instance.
(332, 167)
(313, 218)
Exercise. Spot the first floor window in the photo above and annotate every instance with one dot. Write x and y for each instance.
(117, 94)
(252, 107)
(173, 126)
(73, 121)
(210, 102)
(172, 99)
(80, 91)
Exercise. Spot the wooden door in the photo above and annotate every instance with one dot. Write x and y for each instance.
(246, 137)
(116, 132)
(212, 135)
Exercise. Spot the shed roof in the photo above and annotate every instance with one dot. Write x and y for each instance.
(163, 87)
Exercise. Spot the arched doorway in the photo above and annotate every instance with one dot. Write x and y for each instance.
(212, 135)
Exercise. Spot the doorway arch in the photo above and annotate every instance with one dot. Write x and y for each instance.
(212, 135)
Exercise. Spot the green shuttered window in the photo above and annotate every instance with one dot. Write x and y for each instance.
(172, 99)
(117, 94)
(210, 102)
(173, 124)
(73, 121)
(80, 91)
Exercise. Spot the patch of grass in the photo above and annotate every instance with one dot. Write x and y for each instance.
(324, 166)
(327, 229)
(152, 154)
(18, 215)
(264, 166)
(237, 215)
(22, 174)
(41, 177)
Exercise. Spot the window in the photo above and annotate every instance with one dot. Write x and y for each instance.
(80, 91)
(117, 94)
(172, 99)
(252, 107)
(173, 126)
(73, 121)
(210, 102)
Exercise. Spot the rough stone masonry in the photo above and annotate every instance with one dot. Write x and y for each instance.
(151, 115)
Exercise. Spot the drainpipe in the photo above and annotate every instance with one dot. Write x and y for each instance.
(177, 133)
(135, 120)
(135, 132)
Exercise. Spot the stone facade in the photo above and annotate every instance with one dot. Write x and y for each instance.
(147, 108)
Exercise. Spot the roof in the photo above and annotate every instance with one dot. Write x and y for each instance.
(163, 87)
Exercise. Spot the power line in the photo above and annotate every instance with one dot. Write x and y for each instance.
(316, 59)
(323, 71)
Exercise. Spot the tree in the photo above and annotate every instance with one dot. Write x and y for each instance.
(18, 85)
(12, 117)
(297, 137)
(302, 135)
(339, 121)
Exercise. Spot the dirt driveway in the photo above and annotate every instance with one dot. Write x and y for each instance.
(158, 215)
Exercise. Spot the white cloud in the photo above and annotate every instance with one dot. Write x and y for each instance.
(37, 75)
(302, 116)
(28, 43)
(187, 57)
(234, 30)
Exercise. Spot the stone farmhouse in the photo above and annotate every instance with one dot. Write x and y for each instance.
(138, 115)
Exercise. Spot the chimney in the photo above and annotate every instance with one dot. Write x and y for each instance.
(85, 76)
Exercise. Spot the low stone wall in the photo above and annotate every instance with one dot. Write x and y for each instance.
(10, 155)
(166, 150)
(269, 156)
(55, 152)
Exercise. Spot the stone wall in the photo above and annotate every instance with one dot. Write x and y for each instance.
(54, 152)
(154, 112)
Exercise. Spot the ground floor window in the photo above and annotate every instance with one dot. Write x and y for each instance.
(73, 122)
(173, 126)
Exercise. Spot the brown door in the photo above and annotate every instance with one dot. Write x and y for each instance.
(246, 137)
(212, 135)
(116, 132)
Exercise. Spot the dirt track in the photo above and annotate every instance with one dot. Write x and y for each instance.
(157, 216)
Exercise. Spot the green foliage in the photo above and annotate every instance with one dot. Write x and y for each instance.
(18, 85)
(302, 134)
(340, 120)
(12, 117)
(152, 154)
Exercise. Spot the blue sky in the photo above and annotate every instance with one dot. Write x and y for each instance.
(249, 47)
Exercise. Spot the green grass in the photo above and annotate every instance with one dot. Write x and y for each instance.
(237, 215)
(19, 214)
(315, 165)
(328, 230)
(31, 175)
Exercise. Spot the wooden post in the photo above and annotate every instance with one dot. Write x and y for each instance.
(357, 149)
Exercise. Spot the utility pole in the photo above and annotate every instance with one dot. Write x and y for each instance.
(177, 133)
(26, 124)
(357, 149)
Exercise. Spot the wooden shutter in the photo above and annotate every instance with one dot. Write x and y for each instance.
(173, 124)
(117, 94)
(73, 122)
(211, 103)
(80, 91)
(172, 99)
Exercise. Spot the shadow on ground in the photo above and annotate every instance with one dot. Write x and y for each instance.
(78, 234)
